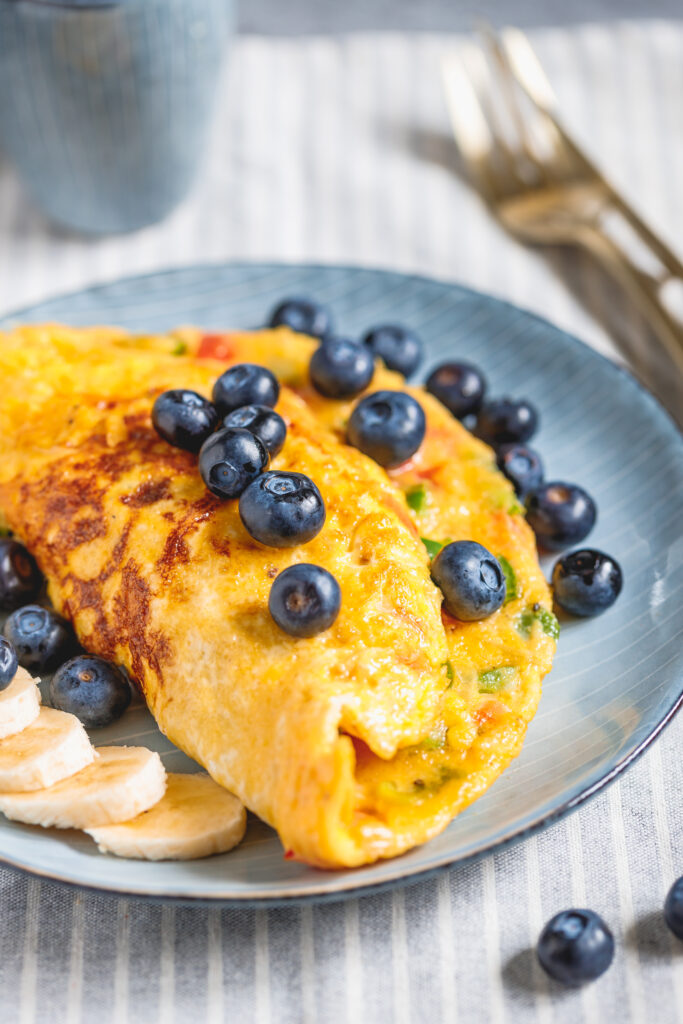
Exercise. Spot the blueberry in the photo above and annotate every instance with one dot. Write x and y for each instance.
(586, 582)
(184, 419)
(92, 689)
(471, 580)
(575, 946)
(42, 639)
(20, 577)
(504, 421)
(304, 316)
(341, 369)
(673, 908)
(245, 384)
(400, 348)
(8, 663)
(282, 509)
(522, 466)
(304, 600)
(560, 514)
(389, 426)
(459, 386)
(262, 421)
(230, 460)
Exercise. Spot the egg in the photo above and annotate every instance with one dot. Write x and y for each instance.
(355, 744)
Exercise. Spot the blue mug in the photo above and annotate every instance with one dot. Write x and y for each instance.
(105, 106)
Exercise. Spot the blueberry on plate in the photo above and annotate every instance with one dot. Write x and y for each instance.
(184, 418)
(522, 466)
(42, 638)
(8, 663)
(505, 421)
(471, 580)
(304, 316)
(673, 908)
(586, 582)
(281, 509)
(92, 689)
(389, 426)
(304, 600)
(459, 386)
(340, 368)
(560, 514)
(575, 946)
(245, 384)
(262, 421)
(399, 347)
(230, 460)
(20, 577)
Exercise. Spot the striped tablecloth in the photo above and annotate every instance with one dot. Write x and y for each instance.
(339, 150)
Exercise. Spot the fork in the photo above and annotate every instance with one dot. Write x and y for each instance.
(542, 187)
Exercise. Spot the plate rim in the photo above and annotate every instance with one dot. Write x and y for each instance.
(318, 892)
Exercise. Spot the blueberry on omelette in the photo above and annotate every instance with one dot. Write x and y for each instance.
(262, 421)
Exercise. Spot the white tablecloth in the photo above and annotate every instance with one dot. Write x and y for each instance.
(339, 150)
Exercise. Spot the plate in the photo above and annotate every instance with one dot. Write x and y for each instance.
(617, 679)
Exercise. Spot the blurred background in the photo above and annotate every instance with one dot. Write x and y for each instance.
(299, 16)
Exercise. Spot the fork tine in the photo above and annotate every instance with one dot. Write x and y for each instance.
(504, 82)
(527, 68)
(487, 87)
(470, 126)
(538, 138)
(474, 80)
(527, 71)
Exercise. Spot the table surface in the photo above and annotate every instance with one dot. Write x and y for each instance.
(338, 149)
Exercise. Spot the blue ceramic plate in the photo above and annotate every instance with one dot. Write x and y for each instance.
(617, 679)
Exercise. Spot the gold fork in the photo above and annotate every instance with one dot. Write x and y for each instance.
(542, 187)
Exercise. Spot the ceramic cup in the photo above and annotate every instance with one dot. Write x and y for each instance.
(105, 106)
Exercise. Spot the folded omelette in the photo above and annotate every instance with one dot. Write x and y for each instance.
(355, 744)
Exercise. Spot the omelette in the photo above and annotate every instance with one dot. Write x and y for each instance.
(356, 744)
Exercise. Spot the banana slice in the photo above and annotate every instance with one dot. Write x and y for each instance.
(52, 748)
(19, 704)
(195, 818)
(121, 783)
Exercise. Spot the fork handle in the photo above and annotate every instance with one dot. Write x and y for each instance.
(641, 287)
